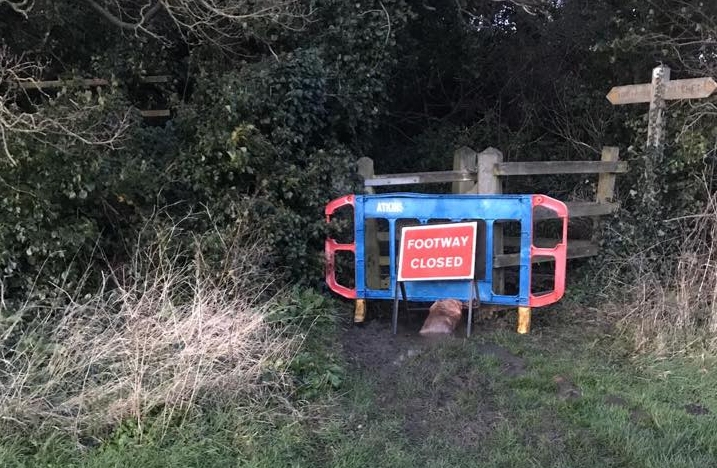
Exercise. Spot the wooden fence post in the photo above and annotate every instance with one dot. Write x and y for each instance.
(490, 184)
(606, 185)
(465, 159)
(486, 183)
(373, 268)
(606, 180)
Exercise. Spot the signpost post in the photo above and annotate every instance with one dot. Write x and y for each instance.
(661, 89)
(437, 252)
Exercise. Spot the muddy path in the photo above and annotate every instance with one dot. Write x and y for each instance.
(438, 387)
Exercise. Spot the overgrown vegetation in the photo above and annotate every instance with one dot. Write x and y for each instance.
(182, 333)
(134, 337)
(275, 104)
(160, 335)
(672, 308)
(563, 396)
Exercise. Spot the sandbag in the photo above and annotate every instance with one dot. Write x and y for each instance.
(443, 317)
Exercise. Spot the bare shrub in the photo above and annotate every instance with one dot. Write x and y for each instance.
(219, 22)
(676, 313)
(171, 333)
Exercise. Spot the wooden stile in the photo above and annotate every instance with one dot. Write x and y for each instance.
(482, 173)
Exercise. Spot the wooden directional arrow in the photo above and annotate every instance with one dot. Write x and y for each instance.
(630, 94)
(694, 88)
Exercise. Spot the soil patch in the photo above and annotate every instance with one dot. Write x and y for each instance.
(695, 409)
(431, 383)
(616, 400)
(511, 365)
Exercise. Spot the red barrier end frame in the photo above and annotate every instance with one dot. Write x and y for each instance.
(559, 253)
(331, 247)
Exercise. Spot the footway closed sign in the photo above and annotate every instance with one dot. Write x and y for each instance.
(437, 252)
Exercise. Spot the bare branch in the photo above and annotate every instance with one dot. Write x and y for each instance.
(147, 12)
(16, 78)
(218, 21)
(20, 6)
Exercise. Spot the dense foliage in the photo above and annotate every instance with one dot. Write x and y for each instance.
(271, 108)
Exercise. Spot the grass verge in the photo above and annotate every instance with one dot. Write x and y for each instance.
(568, 395)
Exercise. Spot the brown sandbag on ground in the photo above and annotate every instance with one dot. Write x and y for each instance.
(443, 317)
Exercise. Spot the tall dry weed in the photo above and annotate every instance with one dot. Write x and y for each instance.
(677, 312)
(169, 330)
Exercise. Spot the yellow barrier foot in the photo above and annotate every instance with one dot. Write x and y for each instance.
(523, 320)
(360, 311)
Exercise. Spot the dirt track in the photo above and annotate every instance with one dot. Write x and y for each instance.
(429, 381)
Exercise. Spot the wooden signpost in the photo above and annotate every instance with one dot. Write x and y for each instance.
(661, 89)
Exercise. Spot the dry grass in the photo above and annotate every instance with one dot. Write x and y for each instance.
(677, 315)
(161, 335)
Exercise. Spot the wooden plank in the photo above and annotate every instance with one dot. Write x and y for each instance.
(513, 242)
(419, 178)
(60, 83)
(507, 242)
(693, 88)
(575, 210)
(155, 79)
(539, 242)
(580, 209)
(155, 113)
(87, 82)
(513, 274)
(559, 167)
(629, 94)
(576, 249)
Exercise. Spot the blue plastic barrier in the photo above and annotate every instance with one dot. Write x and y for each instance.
(456, 208)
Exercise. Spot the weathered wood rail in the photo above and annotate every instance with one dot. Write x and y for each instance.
(483, 173)
(97, 82)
